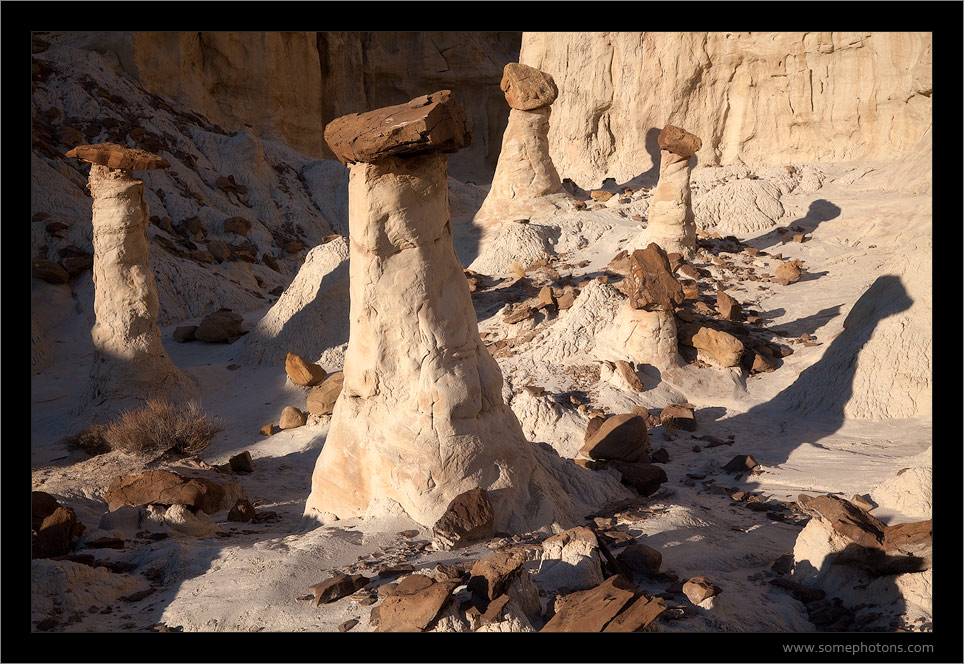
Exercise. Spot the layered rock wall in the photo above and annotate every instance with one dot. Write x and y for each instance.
(767, 98)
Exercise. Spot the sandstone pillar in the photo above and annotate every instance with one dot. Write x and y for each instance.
(130, 362)
(420, 418)
(524, 174)
(671, 223)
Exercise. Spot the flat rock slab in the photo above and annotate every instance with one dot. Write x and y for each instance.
(430, 122)
(414, 612)
(527, 88)
(845, 518)
(164, 487)
(591, 610)
(113, 155)
(638, 615)
(338, 586)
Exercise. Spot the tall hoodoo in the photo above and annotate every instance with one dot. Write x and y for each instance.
(671, 223)
(524, 174)
(420, 419)
(130, 362)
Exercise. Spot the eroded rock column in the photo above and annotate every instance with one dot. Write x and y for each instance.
(420, 418)
(671, 223)
(130, 361)
(524, 174)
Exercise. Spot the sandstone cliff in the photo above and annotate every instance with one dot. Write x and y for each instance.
(289, 85)
(768, 98)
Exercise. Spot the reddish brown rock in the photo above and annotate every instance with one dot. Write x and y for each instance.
(638, 615)
(628, 374)
(219, 250)
(547, 299)
(237, 225)
(292, 418)
(591, 610)
(184, 333)
(650, 283)
(646, 478)
(49, 271)
(678, 416)
(787, 273)
(164, 487)
(336, 587)
(54, 527)
(699, 589)
(595, 422)
(490, 576)
(678, 141)
(729, 308)
(222, 325)
(721, 348)
(527, 88)
(430, 122)
(302, 372)
(321, 400)
(242, 511)
(417, 611)
(600, 195)
(621, 437)
(468, 518)
(740, 463)
(641, 558)
(242, 463)
(113, 155)
(845, 518)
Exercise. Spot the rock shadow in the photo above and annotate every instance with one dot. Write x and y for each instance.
(821, 210)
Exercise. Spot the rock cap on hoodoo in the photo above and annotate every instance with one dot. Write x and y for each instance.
(431, 122)
(527, 88)
(678, 141)
(113, 155)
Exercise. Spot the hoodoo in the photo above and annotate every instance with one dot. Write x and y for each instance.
(130, 362)
(420, 418)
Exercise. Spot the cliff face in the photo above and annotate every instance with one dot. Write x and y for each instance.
(289, 85)
(767, 98)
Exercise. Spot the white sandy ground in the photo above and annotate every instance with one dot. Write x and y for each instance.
(251, 581)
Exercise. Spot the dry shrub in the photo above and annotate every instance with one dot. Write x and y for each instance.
(517, 270)
(160, 427)
(90, 440)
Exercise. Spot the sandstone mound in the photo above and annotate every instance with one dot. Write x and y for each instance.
(741, 207)
(311, 316)
(910, 489)
(508, 244)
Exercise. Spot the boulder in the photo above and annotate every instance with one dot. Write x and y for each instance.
(49, 271)
(76, 264)
(720, 348)
(430, 122)
(468, 518)
(646, 478)
(740, 463)
(321, 400)
(241, 463)
(54, 527)
(415, 611)
(787, 273)
(650, 283)
(527, 88)
(698, 589)
(678, 141)
(678, 416)
(219, 250)
(570, 560)
(242, 511)
(222, 325)
(641, 558)
(490, 576)
(184, 333)
(303, 372)
(292, 418)
(729, 308)
(165, 487)
(622, 437)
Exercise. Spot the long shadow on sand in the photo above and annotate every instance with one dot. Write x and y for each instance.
(821, 210)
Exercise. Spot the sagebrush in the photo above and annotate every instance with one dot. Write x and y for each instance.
(160, 427)
(90, 440)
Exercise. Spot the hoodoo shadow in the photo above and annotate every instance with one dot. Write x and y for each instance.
(821, 210)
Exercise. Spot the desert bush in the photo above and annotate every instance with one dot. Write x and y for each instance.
(160, 427)
(517, 270)
(90, 440)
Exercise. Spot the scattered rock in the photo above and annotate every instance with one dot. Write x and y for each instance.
(740, 463)
(644, 477)
(729, 308)
(292, 418)
(321, 400)
(54, 527)
(717, 346)
(219, 250)
(600, 195)
(678, 416)
(242, 463)
(336, 587)
(698, 589)
(267, 430)
(641, 558)
(303, 372)
(650, 283)
(242, 511)
(184, 333)
(237, 225)
(787, 273)
(637, 615)
(490, 576)
(49, 271)
(169, 488)
(468, 518)
(621, 437)
(347, 625)
(222, 325)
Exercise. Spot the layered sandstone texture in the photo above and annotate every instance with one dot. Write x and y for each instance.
(524, 174)
(420, 418)
(671, 223)
(288, 85)
(768, 98)
(129, 360)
